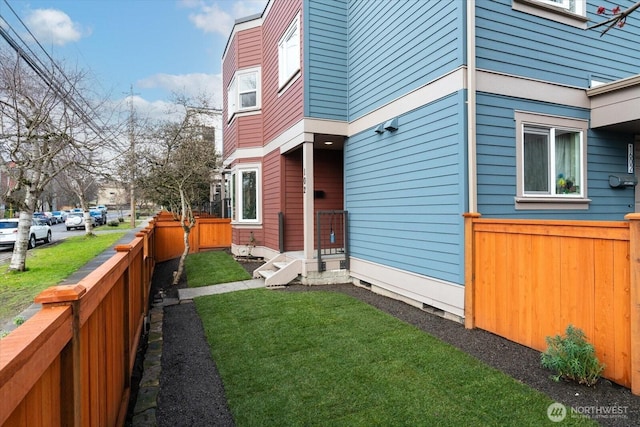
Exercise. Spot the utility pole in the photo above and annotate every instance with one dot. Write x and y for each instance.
(132, 148)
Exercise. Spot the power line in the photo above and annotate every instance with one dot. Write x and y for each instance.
(68, 97)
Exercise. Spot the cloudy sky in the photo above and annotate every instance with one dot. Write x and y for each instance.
(154, 47)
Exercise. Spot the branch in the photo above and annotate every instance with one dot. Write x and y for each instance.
(617, 19)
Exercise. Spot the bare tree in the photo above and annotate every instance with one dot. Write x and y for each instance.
(80, 182)
(178, 167)
(43, 131)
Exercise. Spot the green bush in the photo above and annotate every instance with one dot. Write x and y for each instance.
(120, 219)
(114, 223)
(572, 358)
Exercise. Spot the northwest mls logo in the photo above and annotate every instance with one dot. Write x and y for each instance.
(556, 412)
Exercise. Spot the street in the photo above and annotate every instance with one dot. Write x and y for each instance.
(58, 233)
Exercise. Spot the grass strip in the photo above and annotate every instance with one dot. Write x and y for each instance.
(213, 268)
(47, 267)
(321, 358)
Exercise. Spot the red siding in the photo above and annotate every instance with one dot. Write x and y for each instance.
(271, 199)
(250, 48)
(328, 178)
(249, 131)
(293, 214)
(244, 51)
(282, 110)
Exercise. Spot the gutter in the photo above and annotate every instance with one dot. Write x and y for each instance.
(471, 107)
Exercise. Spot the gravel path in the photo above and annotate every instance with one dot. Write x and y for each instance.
(191, 393)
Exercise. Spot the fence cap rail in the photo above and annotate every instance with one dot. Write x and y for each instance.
(60, 293)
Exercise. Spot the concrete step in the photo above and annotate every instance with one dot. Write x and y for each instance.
(266, 273)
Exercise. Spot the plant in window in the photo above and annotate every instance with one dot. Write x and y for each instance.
(572, 358)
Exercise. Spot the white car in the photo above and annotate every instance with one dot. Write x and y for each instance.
(39, 230)
(75, 220)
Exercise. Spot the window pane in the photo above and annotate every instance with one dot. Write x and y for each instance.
(248, 100)
(567, 162)
(249, 195)
(233, 196)
(248, 83)
(536, 161)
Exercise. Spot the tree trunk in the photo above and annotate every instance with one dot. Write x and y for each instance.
(19, 256)
(178, 274)
(185, 214)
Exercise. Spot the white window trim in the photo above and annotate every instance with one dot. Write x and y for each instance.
(237, 174)
(285, 79)
(554, 12)
(233, 94)
(552, 201)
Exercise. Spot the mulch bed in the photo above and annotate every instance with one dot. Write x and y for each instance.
(520, 362)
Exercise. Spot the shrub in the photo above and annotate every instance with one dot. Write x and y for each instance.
(120, 219)
(114, 223)
(19, 320)
(572, 358)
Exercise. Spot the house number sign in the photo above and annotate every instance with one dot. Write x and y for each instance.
(304, 181)
(629, 158)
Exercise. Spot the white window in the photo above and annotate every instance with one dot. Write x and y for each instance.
(289, 53)
(551, 156)
(245, 194)
(243, 93)
(574, 6)
(570, 12)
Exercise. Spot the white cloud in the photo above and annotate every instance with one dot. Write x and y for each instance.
(53, 26)
(190, 84)
(211, 17)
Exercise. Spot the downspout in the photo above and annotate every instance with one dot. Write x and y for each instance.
(471, 107)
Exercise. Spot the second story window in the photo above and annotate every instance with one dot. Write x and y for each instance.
(289, 53)
(244, 91)
(575, 6)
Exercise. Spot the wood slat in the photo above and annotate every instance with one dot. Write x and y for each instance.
(533, 278)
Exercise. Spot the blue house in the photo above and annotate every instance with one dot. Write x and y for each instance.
(429, 110)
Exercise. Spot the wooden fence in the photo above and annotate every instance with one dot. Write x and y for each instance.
(71, 363)
(526, 280)
(208, 233)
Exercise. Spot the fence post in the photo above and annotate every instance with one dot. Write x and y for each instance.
(469, 262)
(71, 363)
(634, 295)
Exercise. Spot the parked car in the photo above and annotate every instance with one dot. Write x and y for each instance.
(39, 230)
(41, 216)
(51, 218)
(99, 216)
(75, 220)
(60, 216)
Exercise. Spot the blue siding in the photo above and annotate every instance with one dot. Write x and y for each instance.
(325, 41)
(522, 44)
(396, 47)
(405, 192)
(496, 163)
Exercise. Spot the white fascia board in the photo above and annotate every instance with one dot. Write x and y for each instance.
(432, 91)
(526, 88)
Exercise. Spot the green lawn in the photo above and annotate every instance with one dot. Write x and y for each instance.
(321, 358)
(46, 267)
(212, 268)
